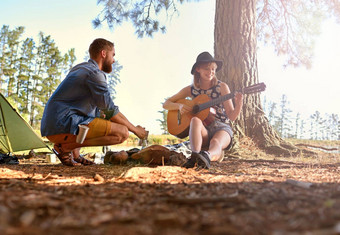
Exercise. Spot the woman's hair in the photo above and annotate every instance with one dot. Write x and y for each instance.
(98, 45)
(197, 77)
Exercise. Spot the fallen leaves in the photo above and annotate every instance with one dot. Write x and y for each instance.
(233, 197)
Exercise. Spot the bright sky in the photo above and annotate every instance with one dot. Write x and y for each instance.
(156, 68)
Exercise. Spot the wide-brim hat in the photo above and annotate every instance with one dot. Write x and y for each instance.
(205, 57)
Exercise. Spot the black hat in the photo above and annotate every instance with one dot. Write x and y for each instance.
(205, 57)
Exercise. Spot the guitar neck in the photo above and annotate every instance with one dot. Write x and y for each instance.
(214, 102)
(247, 90)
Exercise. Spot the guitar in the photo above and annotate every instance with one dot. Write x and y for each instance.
(178, 125)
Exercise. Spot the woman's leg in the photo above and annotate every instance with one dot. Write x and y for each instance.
(219, 141)
(198, 135)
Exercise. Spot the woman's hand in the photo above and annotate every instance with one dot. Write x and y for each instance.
(184, 108)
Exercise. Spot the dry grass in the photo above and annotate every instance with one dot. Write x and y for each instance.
(247, 149)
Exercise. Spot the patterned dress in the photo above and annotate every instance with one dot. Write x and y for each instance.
(213, 92)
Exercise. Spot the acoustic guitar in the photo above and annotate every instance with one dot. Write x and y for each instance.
(178, 124)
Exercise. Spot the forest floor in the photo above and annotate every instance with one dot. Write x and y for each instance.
(247, 193)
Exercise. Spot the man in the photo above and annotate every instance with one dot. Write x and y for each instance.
(81, 99)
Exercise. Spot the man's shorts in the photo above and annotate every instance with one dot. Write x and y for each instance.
(216, 126)
(98, 127)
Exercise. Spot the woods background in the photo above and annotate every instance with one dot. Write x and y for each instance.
(31, 70)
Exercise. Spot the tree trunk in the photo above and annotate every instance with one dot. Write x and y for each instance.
(235, 44)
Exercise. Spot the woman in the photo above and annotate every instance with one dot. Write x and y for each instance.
(214, 136)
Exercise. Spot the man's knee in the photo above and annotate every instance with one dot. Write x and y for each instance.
(123, 134)
(119, 131)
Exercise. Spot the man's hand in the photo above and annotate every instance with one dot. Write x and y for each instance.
(102, 114)
(140, 132)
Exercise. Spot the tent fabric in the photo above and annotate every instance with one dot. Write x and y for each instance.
(15, 133)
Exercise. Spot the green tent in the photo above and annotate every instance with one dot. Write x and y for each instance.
(15, 133)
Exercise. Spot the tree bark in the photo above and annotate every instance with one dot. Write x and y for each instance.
(236, 45)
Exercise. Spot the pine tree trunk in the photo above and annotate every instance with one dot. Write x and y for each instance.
(235, 44)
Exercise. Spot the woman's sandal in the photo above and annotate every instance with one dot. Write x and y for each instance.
(65, 158)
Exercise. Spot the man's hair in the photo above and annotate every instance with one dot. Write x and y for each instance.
(98, 45)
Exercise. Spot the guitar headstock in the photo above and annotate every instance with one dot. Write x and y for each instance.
(254, 88)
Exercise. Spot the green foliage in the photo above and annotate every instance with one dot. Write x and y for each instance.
(284, 121)
(290, 26)
(163, 121)
(114, 78)
(317, 127)
(154, 139)
(30, 71)
(144, 14)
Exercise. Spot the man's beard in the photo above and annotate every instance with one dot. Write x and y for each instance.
(107, 67)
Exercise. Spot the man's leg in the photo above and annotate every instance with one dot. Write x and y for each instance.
(101, 133)
(65, 157)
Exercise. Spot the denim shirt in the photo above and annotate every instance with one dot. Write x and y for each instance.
(77, 100)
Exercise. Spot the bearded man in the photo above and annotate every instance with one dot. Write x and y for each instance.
(81, 99)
